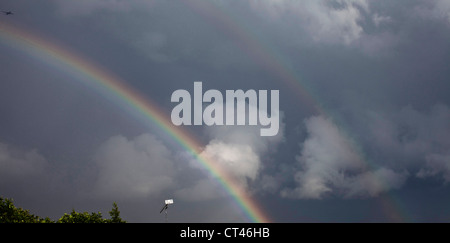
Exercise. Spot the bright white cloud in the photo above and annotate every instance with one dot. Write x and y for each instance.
(240, 152)
(239, 149)
(238, 160)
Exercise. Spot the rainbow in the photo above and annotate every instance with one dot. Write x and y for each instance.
(115, 89)
(259, 51)
(277, 64)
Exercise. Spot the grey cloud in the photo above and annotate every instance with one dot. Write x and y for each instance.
(437, 9)
(323, 20)
(133, 168)
(410, 135)
(417, 140)
(408, 138)
(87, 7)
(27, 174)
(442, 8)
(20, 164)
(436, 165)
(331, 165)
(380, 19)
(152, 44)
(372, 183)
(202, 190)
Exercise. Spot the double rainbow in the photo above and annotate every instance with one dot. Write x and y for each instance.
(113, 88)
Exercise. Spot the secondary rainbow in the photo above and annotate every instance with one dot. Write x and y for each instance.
(114, 89)
(277, 64)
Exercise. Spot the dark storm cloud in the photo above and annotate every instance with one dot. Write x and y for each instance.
(379, 68)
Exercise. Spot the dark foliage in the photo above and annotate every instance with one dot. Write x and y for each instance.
(12, 214)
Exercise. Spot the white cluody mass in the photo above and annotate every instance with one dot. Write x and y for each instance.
(330, 165)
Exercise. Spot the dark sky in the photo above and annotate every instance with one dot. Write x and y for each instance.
(378, 151)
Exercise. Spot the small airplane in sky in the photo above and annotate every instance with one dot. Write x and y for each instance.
(7, 12)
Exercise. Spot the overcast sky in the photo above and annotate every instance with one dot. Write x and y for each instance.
(378, 152)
